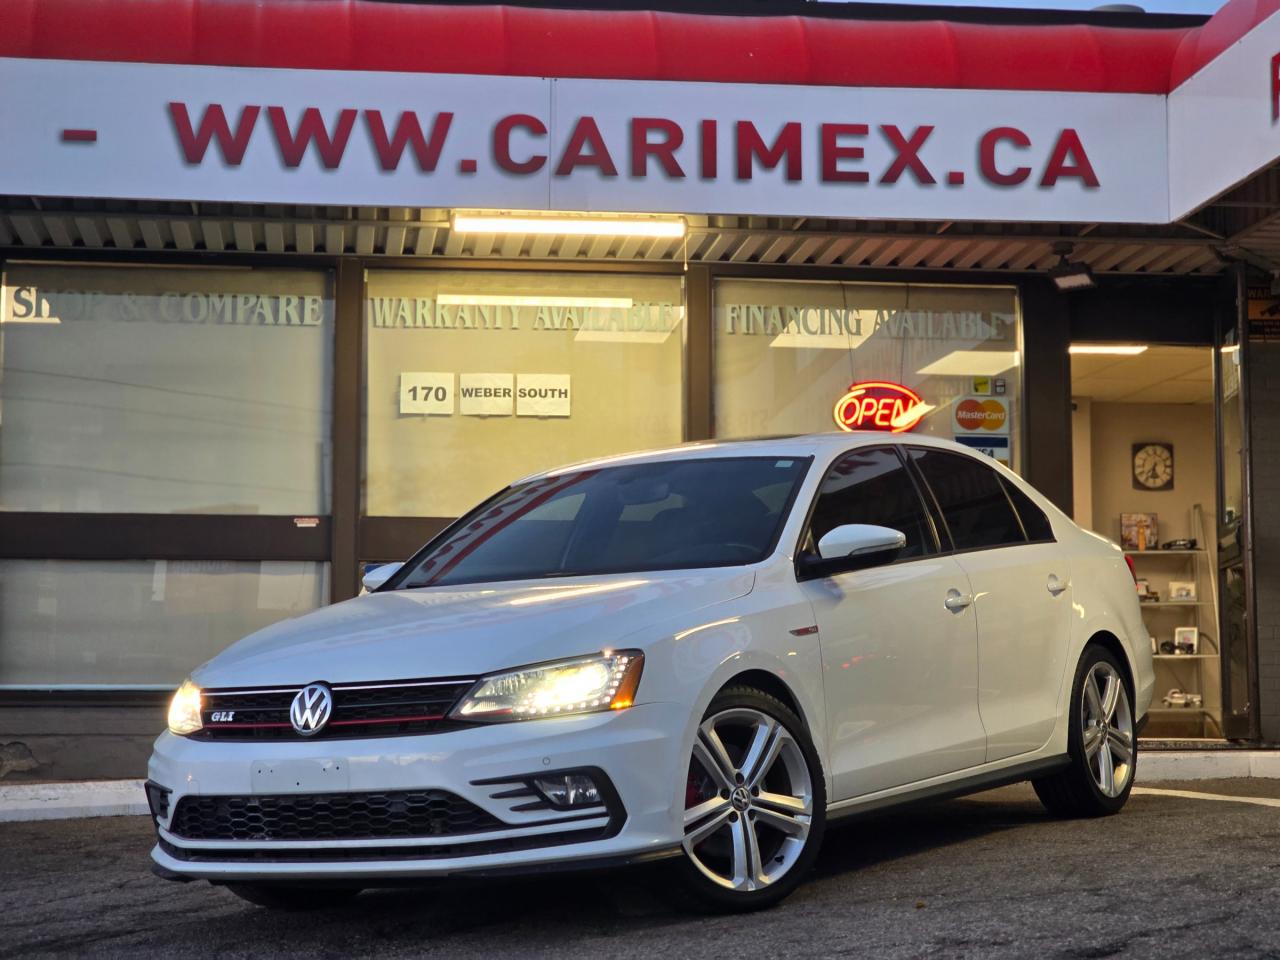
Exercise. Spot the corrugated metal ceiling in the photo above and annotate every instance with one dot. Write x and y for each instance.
(30, 224)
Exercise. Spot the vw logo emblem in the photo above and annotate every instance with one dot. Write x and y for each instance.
(311, 708)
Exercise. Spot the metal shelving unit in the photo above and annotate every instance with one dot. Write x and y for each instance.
(1197, 672)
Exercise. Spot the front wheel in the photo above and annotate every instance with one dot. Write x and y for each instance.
(1101, 743)
(755, 804)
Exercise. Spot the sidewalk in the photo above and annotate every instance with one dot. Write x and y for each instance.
(116, 798)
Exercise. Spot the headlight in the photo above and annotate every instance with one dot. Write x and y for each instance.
(606, 681)
(184, 709)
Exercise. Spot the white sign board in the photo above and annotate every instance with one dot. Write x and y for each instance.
(1224, 121)
(426, 393)
(179, 132)
(983, 415)
(486, 394)
(542, 395)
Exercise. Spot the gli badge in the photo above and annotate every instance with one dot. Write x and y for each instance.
(880, 405)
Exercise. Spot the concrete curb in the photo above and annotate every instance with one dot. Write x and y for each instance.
(1207, 764)
(64, 801)
(120, 798)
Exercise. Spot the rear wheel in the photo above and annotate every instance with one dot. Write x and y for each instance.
(755, 804)
(284, 897)
(1101, 743)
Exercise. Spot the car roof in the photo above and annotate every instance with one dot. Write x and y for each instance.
(817, 445)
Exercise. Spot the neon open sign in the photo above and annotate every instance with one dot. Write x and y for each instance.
(880, 405)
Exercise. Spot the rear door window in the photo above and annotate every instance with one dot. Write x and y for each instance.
(975, 508)
(1034, 520)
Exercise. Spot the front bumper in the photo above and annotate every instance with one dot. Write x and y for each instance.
(638, 751)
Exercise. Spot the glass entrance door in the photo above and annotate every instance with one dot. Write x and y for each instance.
(1234, 574)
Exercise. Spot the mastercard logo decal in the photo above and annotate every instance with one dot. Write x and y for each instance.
(976, 413)
(880, 405)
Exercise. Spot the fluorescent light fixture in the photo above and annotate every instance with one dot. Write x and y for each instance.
(505, 300)
(574, 226)
(1068, 276)
(1107, 349)
(971, 363)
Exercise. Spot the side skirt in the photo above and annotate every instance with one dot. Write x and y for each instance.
(952, 788)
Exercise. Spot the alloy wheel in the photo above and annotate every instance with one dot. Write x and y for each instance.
(748, 800)
(1107, 729)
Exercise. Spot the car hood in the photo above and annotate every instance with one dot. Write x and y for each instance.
(465, 631)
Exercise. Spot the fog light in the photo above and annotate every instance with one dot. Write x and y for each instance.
(569, 790)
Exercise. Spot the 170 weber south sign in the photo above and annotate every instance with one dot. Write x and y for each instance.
(173, 132)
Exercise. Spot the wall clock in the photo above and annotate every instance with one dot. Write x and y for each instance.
(1153, 466)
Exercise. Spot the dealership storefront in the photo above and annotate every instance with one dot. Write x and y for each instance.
(240, 359)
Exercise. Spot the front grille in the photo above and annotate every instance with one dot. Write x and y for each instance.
(330, 816)
(397, 708)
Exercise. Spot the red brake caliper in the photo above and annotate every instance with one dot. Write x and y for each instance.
(692, 791)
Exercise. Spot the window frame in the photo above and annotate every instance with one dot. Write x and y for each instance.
(380, 531)
(942, 517)
(799, 552)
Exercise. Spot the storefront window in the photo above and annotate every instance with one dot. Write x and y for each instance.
(151, 390)
(139, 622)
(787, 352)
(475, 379)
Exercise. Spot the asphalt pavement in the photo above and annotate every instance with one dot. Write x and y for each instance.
(987, 876)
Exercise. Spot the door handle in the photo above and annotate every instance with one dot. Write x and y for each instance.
(957, 601)
(1056, 586)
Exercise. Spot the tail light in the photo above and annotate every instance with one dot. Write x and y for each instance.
(1133, 570)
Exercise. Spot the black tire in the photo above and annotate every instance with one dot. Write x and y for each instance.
(705, 895)
(1074, 792)
(293, 898)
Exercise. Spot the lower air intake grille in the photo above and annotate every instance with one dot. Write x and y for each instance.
(330, 816)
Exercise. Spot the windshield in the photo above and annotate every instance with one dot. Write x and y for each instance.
(653, 516)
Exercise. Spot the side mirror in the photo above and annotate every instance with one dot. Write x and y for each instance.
(853, 546)
(380, 575)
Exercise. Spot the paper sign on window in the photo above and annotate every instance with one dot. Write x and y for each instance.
(542, 395)
(487, 394)
(426, 393)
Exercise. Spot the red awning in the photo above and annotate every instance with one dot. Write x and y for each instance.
(632, 45)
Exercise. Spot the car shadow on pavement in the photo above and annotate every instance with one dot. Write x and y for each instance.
(861, 842)
(642, 896)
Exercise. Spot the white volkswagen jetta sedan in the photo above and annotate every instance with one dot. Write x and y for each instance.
(704, 654)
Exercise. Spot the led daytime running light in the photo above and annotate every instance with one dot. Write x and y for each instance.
(583, 685)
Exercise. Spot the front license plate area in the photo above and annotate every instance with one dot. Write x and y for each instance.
(301, 776)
